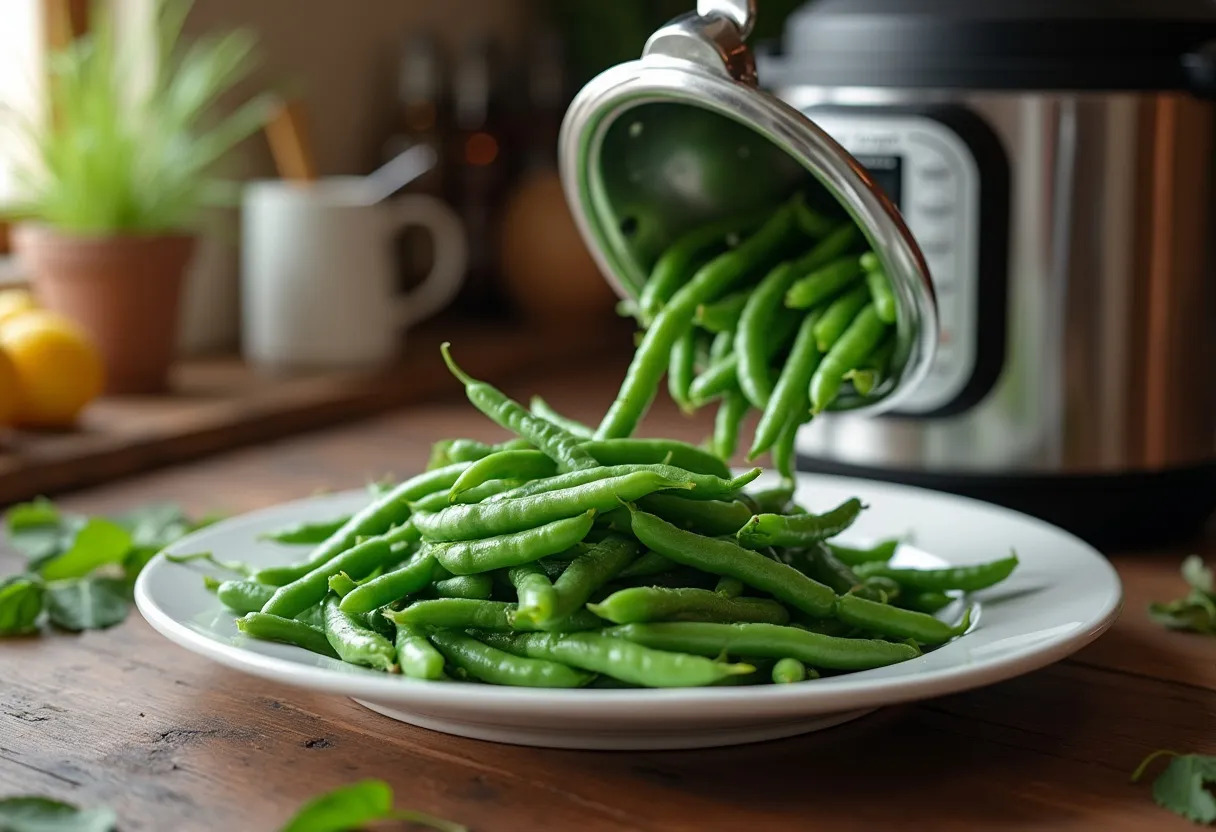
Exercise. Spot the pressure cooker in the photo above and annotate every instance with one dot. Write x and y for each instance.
(1054, 161)
(1035, 177)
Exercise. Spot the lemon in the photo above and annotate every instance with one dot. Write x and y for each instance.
(14, 302)
(59, 370)
(10, 390)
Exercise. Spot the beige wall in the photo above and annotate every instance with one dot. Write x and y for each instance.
(342, 54)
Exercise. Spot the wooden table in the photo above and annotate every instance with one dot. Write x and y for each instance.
(174, 742)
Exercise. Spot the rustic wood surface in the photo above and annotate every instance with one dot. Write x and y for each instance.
(175, 742)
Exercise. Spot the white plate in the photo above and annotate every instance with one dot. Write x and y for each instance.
(1061, 597)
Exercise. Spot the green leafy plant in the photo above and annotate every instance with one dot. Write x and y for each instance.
(1184, 786)
(123, 152)
(1196, 612)
(355, 806)
(41, 814)
(79, 571)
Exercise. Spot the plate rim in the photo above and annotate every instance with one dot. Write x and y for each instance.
(850, 691)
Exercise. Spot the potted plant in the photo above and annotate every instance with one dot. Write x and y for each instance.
(122, 166)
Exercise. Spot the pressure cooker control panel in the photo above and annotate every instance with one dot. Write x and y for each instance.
(932, 176)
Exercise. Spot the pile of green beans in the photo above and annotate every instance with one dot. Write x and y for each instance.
(558, 559)
(783, 321)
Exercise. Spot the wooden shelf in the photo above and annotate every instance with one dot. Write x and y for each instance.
(221, 403)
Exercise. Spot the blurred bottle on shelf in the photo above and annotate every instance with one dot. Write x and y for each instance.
(547, 272)
(421, 117)
(479, 172)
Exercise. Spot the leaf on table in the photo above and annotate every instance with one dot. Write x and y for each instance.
(41, 814)
(40, 531)
(1199, 576)
(35, 514)
(353, 807)
(98, 543)
(21, 601)
(156, 525)
(1184, 614)
(87, 603)
(1185, 785)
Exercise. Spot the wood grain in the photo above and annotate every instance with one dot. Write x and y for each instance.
(174, 742)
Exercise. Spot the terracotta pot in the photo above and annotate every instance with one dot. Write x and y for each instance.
(124, 290)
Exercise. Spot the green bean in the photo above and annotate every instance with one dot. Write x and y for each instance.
(818, 562)
(783, 452)
(676, 263)
(589, 571)
(787, 671)
(286, 630)
(720, 377)
(649, 563)
(311, 533)
(721, 316)
(613, 453)
(542, 409)
(342, 584)
(468, 613)
(728, 586)
(874, 368)
(823, 284)
(726, 423)
(681, 368)
(377, 623)
(710, 282)
(415, 655)
(647, 603)
(477, 587)
(392, 586)
(897, 623)
(385, 512)
(488, 664)
(468, 557)
(441, 499)
(313, 616)
(770, 640)
(560, 446)
(929, 601)
(879, 287)
(243, 596)
(837, 317)
(723, 557)
(862, 336)
(462, 522)
(813, 223)
(774, 500)
(503, 465)
(355, 643)
(620, 659)
(293, 598)
(756, 323)
(534, 589)
(891, 590)
(708, 517)
(967, 578)
(784, 403)
(799, 529)
(852, 556)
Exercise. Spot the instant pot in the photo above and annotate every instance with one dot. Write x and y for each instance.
(1053, 160)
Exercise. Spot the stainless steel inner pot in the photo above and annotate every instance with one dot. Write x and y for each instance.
(653, 147)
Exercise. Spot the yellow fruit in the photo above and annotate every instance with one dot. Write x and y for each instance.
(10, 390)
(58, 368)
(14, 302)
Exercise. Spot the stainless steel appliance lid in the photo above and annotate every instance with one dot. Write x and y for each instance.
(1000, 44)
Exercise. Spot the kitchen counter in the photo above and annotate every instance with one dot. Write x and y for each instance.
(172, 741)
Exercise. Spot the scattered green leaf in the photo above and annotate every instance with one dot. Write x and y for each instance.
(1196, 612)
(1184, 786)
(41, 814)
(354, 806)
(32, 515)
(156, 525)
(236, 567)
(87, 603)
(21, 599)
(99, 543)
(1199, 576)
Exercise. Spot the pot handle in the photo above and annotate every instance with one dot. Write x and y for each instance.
(1200, 69)
(741, 12)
